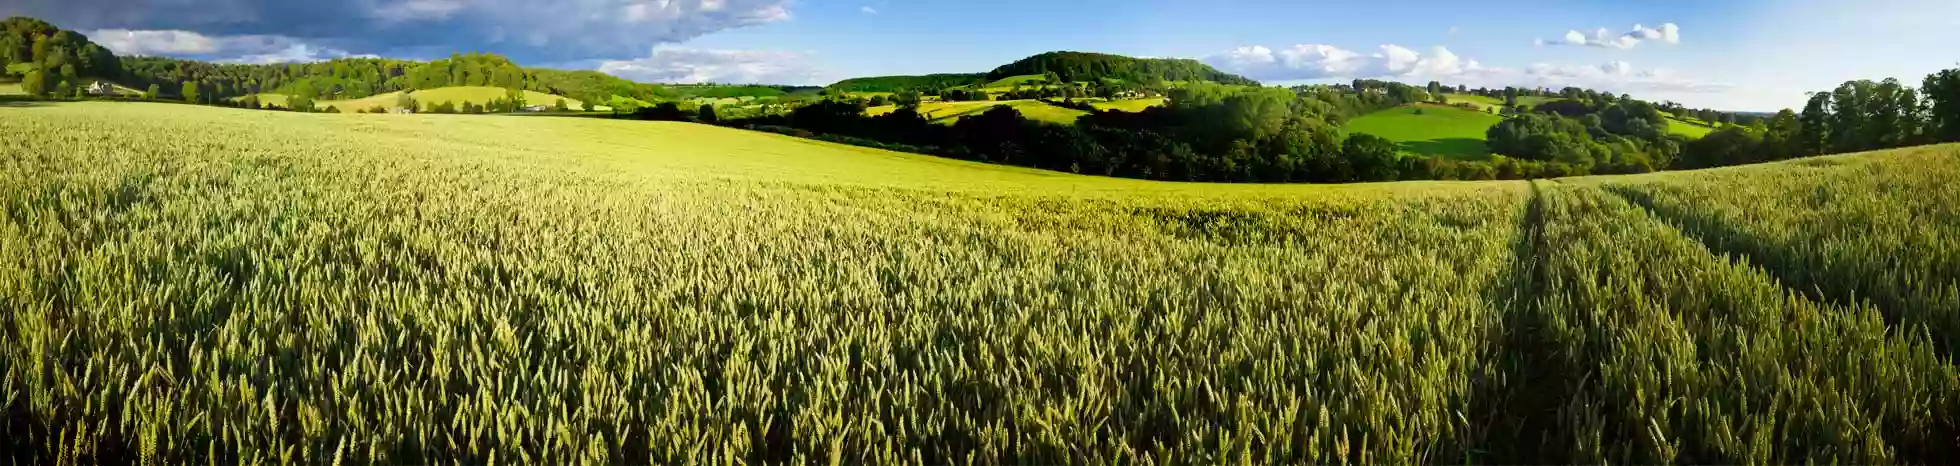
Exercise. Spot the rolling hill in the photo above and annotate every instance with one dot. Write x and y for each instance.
(339, 285)
(1069, 66)
(483, 95)
(1083, 66)
(1430, 129)
(1131, 105)
(1691, 129)
(902, 83)
(479, 95)
(1482, 102)
(1022, 80)
(950, 112)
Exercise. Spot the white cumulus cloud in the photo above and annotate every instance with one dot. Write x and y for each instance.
(1615, 76)
(1321, 61)
(670, 64)
(1308, 62)
(527, 31)
(1603, 38)
(252, 49)
(295, 53)
(172, 42)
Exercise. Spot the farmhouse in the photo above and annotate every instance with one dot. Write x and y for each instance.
(102, 88)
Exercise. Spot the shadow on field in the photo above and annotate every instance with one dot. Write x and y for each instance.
(1800, 277)
(10, 101)
(1455, 148)
(1516, 409)
(1720, 238)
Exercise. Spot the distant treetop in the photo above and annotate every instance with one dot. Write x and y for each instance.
(905, 83)
(1083, 66)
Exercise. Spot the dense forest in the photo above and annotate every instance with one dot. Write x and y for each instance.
(1208, 132)
(353, 78)
(1060, 67)
(49, 60)
(1620, 134)
(1082, 67)
(1214, 128)
(908, 83)
(1223, 133)
(1856, 116)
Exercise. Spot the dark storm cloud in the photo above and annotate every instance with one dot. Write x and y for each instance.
(529, 31)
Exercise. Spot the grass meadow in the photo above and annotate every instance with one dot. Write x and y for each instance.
(308, 288)
(1131, 105)
(1429, 129)
(1482, 102)
(950, 112)
(1022, 80)
(1693, 129)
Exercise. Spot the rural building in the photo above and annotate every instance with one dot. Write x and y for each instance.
(102, 88)
(535, 108)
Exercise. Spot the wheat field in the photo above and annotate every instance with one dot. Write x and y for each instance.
(192, 285)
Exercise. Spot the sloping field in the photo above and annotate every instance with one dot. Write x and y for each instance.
(451, 289)
(1041, 111)
(386, 101)
(1011, 81)
(1485, 103)
(483, 95)
(456, 94)
(11, 89)
(1437, 130)
(1686, 128)
(950, 112)
(1131, 105)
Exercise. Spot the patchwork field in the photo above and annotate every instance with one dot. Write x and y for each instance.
(1484, 103)
(461, 289)
(1023, 80)
(1430, 129)
(1131, 105)
(483, 95)
(951, 112)
(1691, 128)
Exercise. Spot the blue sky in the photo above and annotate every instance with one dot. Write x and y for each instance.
(1738, 55)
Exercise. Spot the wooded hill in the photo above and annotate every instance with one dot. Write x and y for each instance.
(1065, 66)
(49, 60)
(905, 83)
(1083, 66)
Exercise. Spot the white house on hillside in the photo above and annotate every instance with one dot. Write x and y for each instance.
(102, 88)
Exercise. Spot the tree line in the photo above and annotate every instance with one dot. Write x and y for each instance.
(1083, 66)
(1624, 135)
(52, 61)
(1207, 132)
(1859, 115)
(907, 83)
(1607, 135)
(354, 78)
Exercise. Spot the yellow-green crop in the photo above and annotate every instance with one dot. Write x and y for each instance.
(191, 285)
